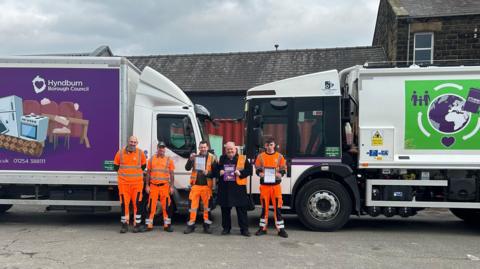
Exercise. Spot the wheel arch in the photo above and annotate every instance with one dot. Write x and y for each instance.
(339, 172)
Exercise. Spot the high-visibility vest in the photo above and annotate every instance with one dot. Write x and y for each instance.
(271, 161)
(159, 169)
(241, 166)
(193, 176)
(130, 170)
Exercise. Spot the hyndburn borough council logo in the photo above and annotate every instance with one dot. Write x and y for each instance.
(441, 114)
(39, 84)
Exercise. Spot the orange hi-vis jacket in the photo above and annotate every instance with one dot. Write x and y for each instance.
(159, 169)
(130, 166)
(241, 166)
(210, 160)
(275, 160)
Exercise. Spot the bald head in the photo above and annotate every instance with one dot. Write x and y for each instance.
(132, 143)
(230, 149)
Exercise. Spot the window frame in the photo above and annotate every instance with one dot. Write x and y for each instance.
(251, 150)
(323, 99)
(415, 49)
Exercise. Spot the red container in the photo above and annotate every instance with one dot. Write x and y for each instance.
(231, 130)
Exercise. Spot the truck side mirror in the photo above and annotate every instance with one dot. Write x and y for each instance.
(257, 136)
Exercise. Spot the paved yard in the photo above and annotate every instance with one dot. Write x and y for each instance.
(32, 238)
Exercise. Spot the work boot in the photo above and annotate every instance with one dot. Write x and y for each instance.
(245, 233)
(139, 228)
(142, 228)
(168, 229)
(124, 228)
(261, 231)
(282, 233)
(190, 229)
(225, 232)
(206, 228)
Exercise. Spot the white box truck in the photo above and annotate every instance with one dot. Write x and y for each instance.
(388, 141)
(62, 119)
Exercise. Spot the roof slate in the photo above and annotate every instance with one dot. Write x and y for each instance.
(102, 51)
(435, 8)
(243, 70)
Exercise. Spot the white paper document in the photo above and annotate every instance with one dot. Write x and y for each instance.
(269, 175)
(200, 163)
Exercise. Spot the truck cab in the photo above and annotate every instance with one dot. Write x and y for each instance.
(304, 115)
(164, 113)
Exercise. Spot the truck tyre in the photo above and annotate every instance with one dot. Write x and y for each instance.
(470, 216)
(323, 205)
(4, 208)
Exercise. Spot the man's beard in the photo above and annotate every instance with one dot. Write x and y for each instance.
(130, 148)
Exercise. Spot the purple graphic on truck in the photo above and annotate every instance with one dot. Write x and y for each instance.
(58, 119)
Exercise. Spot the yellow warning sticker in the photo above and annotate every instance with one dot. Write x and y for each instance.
(377, 139)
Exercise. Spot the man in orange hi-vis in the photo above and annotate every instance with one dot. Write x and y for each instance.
(160, 184)
(130, 162)
(203, 167)
(271, 167)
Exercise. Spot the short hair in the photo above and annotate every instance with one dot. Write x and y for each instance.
(230, 143)
(204, 142)
(270, 140)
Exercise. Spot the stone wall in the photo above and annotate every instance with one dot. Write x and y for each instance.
(456, 38)
(386, 30)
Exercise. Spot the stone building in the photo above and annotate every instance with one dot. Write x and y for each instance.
(440, 32)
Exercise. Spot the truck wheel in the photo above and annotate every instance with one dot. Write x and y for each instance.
(4, 208)
(323, 205)
(470, 216)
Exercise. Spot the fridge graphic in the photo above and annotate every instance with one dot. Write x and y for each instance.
(11, 112)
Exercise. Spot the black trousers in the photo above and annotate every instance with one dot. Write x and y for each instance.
(241, 216)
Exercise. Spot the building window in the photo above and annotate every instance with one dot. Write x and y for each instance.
(423, 48)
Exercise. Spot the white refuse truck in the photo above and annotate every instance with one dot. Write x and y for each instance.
(372, 141)
(62, 119)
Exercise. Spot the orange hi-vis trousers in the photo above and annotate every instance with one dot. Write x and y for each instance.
(271, 193)
(196, 193)
(130, 193)
(159, 193)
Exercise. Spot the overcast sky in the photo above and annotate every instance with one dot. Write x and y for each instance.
(177, 27)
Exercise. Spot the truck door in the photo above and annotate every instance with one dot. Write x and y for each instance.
(177, 132)
(270, 118)
(317, 133)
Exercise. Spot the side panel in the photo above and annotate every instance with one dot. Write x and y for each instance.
(420, 118)
(66, 117)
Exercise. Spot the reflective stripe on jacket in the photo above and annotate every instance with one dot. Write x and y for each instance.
(275, 160)
(159, 169)
(208, 168)
(130, 166)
